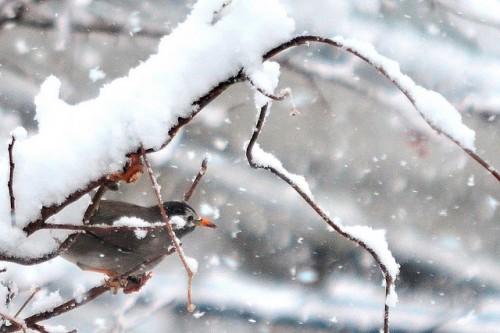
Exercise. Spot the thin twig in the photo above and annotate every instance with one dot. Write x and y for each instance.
(191, 307)
(319, 210)
(10, 183)
(101, 228)
(96, 200)
(37, 289)
(196, 180)
(301, 40)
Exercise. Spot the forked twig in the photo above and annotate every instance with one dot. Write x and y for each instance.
(191, 307)
(196, 180)
(389, 282)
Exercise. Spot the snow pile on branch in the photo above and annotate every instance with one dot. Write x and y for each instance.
(267, 160)
(77, 144)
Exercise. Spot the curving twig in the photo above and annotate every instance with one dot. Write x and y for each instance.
(389, 280)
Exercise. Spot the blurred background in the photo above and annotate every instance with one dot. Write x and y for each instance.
(273, 265)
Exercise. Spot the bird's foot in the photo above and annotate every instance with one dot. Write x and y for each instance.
(129, 284)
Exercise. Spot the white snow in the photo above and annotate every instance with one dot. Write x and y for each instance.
(19, 133)
(96, 74)
(177, 222)
(265, 159)
(46, 302)
(433, 107)
(375, 239)
(192, 264)
(80, 143)
(266, 78)
(134, 222)
(392, 297)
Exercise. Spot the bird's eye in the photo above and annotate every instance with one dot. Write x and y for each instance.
(190, 218)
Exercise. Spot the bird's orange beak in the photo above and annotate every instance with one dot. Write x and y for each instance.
(206, 223)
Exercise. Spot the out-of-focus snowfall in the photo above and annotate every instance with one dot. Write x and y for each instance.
(272, 265)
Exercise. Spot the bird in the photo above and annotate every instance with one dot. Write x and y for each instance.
(126, 256)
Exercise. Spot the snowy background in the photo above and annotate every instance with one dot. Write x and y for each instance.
(273, 265)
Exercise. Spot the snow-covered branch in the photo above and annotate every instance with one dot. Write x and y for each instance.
(77, 146)
(372, 241)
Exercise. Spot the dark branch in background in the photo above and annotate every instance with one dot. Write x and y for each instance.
(23, 15)
(388, 279)
(10, 183)
(307, 39)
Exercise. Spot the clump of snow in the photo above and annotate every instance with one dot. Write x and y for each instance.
(392, 296)
(433, 107)
(177, 222)
(79, 293)
(77, 144)
(198, 314)
(134, 222)
(375, 240)
(192, 264)
(46, 302)
(96, 74)
(19, 133)
(265, 77)
(265, 159)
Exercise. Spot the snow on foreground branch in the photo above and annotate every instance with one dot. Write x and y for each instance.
(79, 144)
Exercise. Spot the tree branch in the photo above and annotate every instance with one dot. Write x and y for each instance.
(388, 278)
(301, 40)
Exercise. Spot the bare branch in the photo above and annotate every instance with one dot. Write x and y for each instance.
(196, 180)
